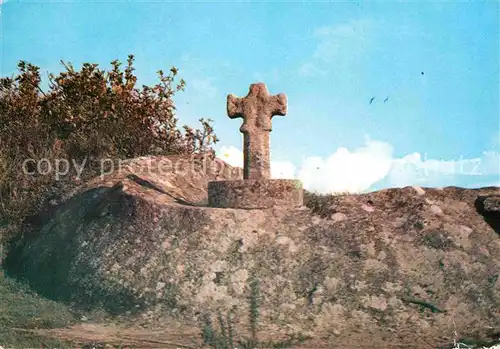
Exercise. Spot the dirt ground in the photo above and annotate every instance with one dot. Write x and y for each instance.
(174, 335)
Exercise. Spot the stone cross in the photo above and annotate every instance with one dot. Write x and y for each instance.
(256, 109)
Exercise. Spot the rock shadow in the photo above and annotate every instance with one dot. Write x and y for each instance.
(491, 217)
(47, 254)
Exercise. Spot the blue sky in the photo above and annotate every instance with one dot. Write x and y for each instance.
(438, 128)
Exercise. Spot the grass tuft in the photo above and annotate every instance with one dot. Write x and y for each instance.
(223, 337)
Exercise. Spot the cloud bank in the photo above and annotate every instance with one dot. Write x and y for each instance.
(373, 166)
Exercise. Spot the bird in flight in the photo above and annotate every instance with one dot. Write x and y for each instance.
(372, 99)
(386, 99)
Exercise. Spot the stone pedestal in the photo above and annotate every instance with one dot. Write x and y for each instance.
(256, 194)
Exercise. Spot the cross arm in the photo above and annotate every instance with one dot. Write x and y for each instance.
(234, 107)
(278, 104)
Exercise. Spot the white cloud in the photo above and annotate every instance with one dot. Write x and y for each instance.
(346, 171)
(231, 155)
(360, 169)
(282, 169)
(412, 169)
(339, 46)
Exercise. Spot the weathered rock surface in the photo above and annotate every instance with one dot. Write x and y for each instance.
(385, 269)
(492, 203)
(260, 193)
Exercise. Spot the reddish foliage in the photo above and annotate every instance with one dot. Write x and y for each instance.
(84, 115)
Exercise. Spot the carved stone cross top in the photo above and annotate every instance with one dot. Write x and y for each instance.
(257, 110)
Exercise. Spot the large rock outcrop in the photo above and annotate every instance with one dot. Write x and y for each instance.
(396, 266)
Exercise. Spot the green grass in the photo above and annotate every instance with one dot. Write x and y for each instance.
(21, 309)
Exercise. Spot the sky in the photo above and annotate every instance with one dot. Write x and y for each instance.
(432, 68)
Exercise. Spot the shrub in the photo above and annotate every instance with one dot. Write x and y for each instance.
(84, 116)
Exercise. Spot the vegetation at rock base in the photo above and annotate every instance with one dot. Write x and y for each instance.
(21, 309)
(83, 116)
(224, 337)
(23, 312)
(322, 205)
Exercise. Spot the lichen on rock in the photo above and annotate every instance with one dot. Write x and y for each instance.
(146, 243)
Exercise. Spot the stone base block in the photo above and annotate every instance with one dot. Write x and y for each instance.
(262, 193)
